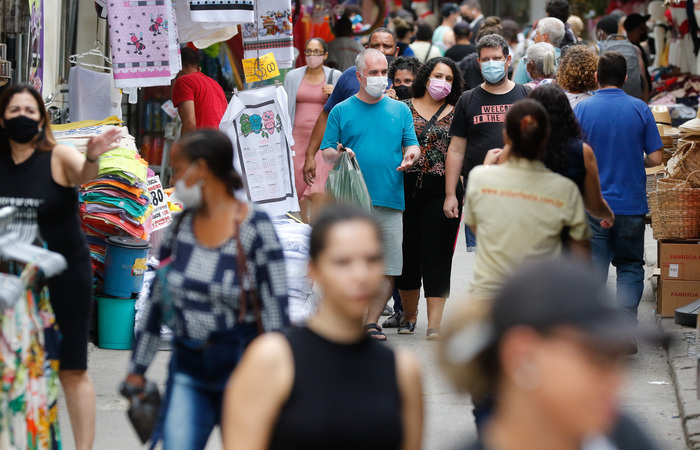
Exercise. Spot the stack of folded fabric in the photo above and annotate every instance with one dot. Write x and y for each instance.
(116, 203)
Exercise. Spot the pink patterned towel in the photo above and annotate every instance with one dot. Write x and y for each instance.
(145, 49)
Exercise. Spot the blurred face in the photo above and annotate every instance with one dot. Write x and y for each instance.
(23, 104)
(384, 42)
(580, 381)
(539, 37)
(314, 51)
(181, 166)
(441, 72)
(350, 269)
(376, 66)
(403, 78)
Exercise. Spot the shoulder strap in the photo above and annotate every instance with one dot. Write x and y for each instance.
(468, 98)
(431, 122)
(330, 78)
(427, 55)
(175, 229)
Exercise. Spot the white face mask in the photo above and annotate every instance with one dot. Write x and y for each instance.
(376, 85)
(190, 196)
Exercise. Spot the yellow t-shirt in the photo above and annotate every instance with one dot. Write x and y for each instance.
(519, 209)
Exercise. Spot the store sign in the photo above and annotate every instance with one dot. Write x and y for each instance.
(258, 69)
(36, 43)
(160, 218)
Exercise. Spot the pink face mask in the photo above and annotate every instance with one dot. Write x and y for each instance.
(314, 61)
(439, 89)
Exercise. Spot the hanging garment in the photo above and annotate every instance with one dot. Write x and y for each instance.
(193, 31)
(145, 48)
(233, 11)
(92, 95)
(271, 32)
(258, 124)
(29, 369)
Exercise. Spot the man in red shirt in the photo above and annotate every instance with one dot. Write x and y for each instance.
(200, 99)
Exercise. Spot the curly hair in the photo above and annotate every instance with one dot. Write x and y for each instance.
(418, 87)
(577, 69)
(403, 63)
(563, 123)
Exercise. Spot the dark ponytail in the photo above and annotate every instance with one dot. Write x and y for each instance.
(527, 126)
(215, 148)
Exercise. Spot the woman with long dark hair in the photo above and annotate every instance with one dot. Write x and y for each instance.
(429, 236)
(40, 178)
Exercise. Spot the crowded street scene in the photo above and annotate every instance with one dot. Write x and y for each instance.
(350, 224)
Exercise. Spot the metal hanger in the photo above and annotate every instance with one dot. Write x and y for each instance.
(97, 51)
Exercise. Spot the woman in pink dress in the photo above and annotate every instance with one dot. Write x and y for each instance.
(308, 88)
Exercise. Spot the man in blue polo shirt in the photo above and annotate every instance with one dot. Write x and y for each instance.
(379, 132)
(625, 140)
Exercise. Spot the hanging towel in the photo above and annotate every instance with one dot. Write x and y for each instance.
(257, 122)
(92, 95)
(191, 31)
(271, 32)
(145, 48)
(233, 11)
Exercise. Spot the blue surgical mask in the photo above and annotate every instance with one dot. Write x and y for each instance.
(493, 71)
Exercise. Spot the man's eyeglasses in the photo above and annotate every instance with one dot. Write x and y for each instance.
(314, 53)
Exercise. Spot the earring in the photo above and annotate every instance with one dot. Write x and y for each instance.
(527, 377)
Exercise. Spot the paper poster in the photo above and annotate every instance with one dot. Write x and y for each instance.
(160, 218)
(36, 44)
(264, 154)
(266, 67)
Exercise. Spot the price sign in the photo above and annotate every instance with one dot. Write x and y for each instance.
(160, 218)
(170, 109)
(265, 67)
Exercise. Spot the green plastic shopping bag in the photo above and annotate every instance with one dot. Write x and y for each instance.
(347, 185)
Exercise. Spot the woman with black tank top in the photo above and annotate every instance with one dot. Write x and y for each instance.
(327, 385)
(39, 178)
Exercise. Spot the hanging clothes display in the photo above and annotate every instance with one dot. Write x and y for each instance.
(202, 33)
(29, 368)
(231, 11)
(144, 41)
(270, 32)
(92, 95)
(258, 124)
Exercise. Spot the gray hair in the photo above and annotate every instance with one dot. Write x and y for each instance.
(553, 28)
(361, 60)
(544, 58)
(492, 41)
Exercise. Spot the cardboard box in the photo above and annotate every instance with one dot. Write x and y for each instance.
(680, 260)
(672, 295)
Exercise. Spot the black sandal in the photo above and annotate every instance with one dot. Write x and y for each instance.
(374, 331)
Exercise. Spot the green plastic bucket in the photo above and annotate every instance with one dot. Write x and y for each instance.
(115, 322)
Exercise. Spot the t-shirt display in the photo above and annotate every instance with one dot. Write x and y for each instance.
(376, 133)
(208, 97)
(481, 121)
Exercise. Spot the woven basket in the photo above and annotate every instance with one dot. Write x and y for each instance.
(675, 212)
(667, 182)
(689, 160)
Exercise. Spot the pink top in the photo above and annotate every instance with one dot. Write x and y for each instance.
(310, 100)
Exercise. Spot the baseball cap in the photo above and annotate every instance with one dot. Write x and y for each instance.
(448, 9)
(608, 24)
(548, 294)
(634, 20)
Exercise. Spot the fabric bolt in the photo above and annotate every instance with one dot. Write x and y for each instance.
(519, 209)
(198, 290)
(92, 95)
(270, 31)
(354, 376)
(145, 47)
(361, 126)
(233, 11)
(206, 94)
(129, 206)
(29, 369)
(123, 213)
(257, 122)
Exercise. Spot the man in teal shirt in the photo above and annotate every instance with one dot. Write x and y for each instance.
(379, 132)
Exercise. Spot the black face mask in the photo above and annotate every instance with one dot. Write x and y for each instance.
(21, 129)
(403, 92)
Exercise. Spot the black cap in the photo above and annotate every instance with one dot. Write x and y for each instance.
(634, 20)
(548, 294)
(448, 9)
(608, 24)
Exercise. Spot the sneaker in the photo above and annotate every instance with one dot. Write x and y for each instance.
(407, 328)
(387, 311)
(394, 320)
(433, 334)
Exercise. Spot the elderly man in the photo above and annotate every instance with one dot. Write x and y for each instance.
(548, 30)
(378, 131)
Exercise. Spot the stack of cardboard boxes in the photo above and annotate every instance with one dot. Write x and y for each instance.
(679, 284)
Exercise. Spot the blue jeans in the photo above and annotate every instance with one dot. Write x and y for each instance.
(623, 246)
(470, 237)
(198, 376)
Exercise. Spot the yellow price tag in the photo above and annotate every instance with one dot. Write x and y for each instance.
(266, 69)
